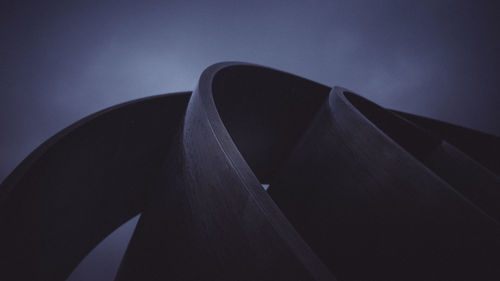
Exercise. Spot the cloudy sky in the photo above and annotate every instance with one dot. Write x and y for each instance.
(62, 60)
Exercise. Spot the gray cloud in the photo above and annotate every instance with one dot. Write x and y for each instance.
(62, 60)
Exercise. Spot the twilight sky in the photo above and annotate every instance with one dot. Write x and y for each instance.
(62, 60)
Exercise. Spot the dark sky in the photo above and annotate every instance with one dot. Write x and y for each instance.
(62, 60)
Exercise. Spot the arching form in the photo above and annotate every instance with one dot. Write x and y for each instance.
(356, 191)
(81, 184)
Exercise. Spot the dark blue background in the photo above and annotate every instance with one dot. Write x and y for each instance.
(62, 60)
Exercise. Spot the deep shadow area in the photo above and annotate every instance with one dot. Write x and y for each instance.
(265, 112)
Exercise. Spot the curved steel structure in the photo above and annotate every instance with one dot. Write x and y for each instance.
(357, 192)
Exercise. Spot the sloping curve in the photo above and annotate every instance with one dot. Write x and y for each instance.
(81, 184)
(227, 227)
(356, 191)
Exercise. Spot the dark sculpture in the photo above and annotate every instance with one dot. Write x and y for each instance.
(356, 191)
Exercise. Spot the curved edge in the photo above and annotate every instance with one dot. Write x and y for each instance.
(468, 178)
(109, 160)
(204, 92)
(10, 181)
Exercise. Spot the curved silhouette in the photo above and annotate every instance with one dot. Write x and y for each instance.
(356, 191)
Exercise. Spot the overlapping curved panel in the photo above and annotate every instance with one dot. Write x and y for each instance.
(361, 191)
(81, 184)
(357, 192)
